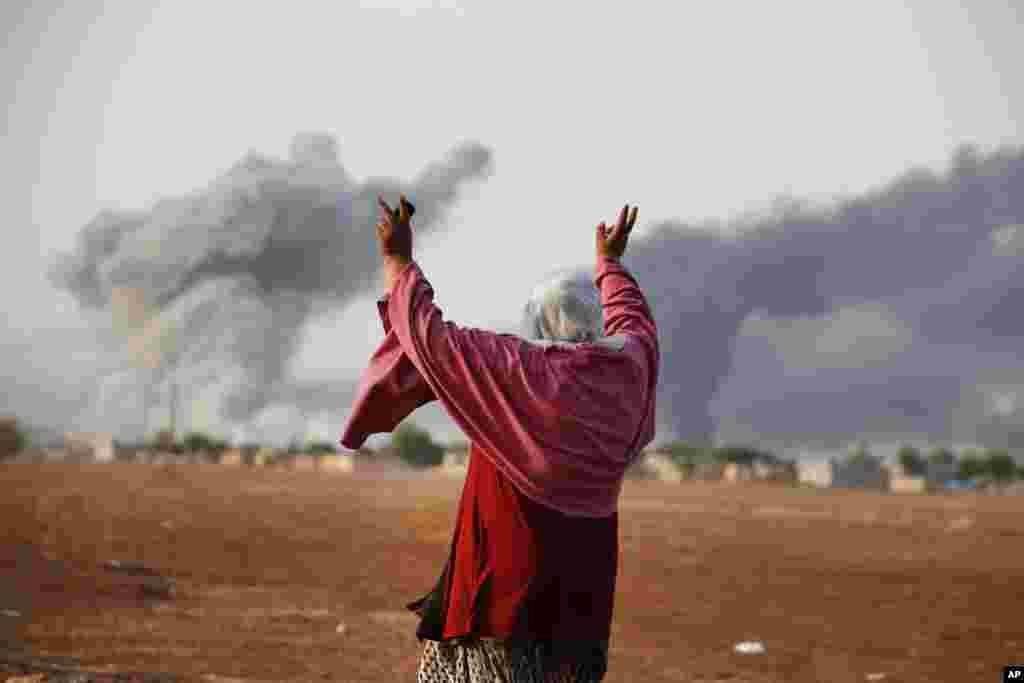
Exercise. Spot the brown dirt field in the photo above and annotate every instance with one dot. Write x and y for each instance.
(839, 586)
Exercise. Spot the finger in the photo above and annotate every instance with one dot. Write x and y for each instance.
(409, 206)
(387, 209)
(632, 219)
(622, 217)
(403, 209)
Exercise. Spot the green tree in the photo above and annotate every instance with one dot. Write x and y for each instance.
(1000, 465)
(736, 453)
(972, 465)
(941, 456)
(197, 441)
(321, 447)
(414, 446)
(859, 455)
(686, 454)
(12, 439)
(910, 460)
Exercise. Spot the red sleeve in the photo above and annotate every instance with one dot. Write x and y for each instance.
(625, 309)
(478, 375)
(390, 389)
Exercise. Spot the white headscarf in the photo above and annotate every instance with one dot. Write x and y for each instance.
(565, 309)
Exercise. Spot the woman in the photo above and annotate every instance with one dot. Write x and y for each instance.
(554, 417)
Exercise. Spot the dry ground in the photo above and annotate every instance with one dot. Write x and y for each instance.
(839, 586)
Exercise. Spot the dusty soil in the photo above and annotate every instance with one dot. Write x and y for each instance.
(283, 576)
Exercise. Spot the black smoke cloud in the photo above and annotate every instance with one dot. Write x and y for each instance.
(232, 273)
(940, 250)
(226, 277)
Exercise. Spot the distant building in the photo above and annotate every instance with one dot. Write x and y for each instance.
(264, 457)
(866, 474)
(815, 473)
(736, 472)
(163, 458)
(934, 477)
(54, 454)
(95, 446)
(455, 462)
(707, 471)
(780, 471)
(658, 465)
(232, 457)
(899, 483)
(1014, 488)
(833, 468)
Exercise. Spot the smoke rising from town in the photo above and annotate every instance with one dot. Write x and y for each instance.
(216, 286)
(888, 313)
(932, 261)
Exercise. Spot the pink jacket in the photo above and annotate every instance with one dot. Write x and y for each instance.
(561, 421)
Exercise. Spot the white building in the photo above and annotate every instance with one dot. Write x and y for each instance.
(815, 472)
(455, 463)
(96, 446)
(659, 465)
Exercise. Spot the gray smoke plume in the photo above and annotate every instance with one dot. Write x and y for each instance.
(217, 285)
(941, 253)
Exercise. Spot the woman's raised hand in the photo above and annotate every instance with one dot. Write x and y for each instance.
(611, 241)
(394, 232)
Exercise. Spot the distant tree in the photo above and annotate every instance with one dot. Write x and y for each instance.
(197, 441)
(941, 456)
(858, 455)
(1000, 465)
(972, 465)
(740, 454)
(414, 446)
(910, 460)
(12, 438)
(685, 453)
(294, 447)
(321, 448)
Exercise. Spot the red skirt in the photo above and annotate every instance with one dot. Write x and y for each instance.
(521, 572)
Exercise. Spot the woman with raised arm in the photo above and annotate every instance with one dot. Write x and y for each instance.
(554, 417)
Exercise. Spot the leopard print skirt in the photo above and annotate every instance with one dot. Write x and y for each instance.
(485, 660)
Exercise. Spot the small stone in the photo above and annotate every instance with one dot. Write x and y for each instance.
(10, 613)
(749, 647)
(876, 677)
(159, 587)
(342, 629)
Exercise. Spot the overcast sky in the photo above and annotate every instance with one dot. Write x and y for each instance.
(690, 113)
